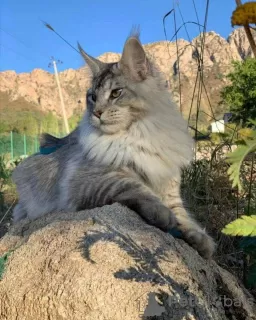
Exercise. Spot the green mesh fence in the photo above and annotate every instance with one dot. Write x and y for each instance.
(14, 145)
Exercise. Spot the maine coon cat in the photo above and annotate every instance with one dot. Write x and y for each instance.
(129, 148)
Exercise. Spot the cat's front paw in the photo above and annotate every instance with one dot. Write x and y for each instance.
(201, 242)
(165, 218)
(156, 214)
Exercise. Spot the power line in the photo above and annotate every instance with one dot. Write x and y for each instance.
(200, 69)
(205, 24)
(178, 57)
(23, 43)
(189, 39)
(177, 49)
(184, 25)
(197, 17)
(48, 26)
(165, 33)
(199, 75)
(17, 53)
(11, 35)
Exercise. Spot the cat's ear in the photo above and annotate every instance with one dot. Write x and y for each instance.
(134, 62)
(94, 64)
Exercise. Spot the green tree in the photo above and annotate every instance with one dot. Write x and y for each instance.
(244, 226)
(4, 127)
(26, 123)
(50, 124)
(240, 95)
(31, 125)
(74, 120)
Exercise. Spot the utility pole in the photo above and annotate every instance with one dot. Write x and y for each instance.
(40, 125)
(60, 94)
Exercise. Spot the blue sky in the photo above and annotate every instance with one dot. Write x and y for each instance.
(99, 25)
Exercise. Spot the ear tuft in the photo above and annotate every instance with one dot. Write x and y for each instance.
(135, 32)
(94, 64)
(134, 62)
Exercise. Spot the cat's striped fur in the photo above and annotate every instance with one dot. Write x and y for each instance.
(129, 148)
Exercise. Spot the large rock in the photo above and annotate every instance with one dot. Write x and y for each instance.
(106, 264)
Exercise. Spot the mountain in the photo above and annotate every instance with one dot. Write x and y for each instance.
(38, 91)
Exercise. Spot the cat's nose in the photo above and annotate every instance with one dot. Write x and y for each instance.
(97, 113)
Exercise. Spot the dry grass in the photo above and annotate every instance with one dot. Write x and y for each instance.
(209, 195)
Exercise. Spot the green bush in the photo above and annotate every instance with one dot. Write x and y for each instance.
(4, 179)
(245, 226)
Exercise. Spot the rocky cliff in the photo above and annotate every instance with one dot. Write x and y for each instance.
(38, 89)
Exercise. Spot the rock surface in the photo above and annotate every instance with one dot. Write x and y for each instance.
(108, 264)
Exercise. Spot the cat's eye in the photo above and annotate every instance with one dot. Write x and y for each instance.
(116, 93)
(93, 96)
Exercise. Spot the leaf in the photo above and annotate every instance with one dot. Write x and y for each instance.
(236, 159)
(3, 261)
(248, 244)
(244, 226)
(251, 277)
(253, 121)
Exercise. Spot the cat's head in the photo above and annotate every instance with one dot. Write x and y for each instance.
(118, 90)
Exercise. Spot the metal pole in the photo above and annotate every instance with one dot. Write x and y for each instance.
(11, 145)
(61, 97)
(35, 143)
(25, 145)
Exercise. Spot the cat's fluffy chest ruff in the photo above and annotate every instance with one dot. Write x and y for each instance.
(158, 160)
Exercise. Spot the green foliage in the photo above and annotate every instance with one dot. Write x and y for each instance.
(31, 125)
(23, 117)
(198, 122)
(50, 124)
(73, 121)
(4, 178)
(245, 133)
(233, 133)
(218, 138)
(32, 144)
(26, 123)
(29, 122)
(248, 245)
(251, 277)
(4, 127)
(4, 172)
(240, 95)
(3, 261)
(237, 157)
(244, 226)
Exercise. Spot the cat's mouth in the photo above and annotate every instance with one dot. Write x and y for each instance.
(96, 119)
(101, 121)
(97, 114)
(106, 124)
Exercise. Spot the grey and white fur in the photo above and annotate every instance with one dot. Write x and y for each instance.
(129, 148)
